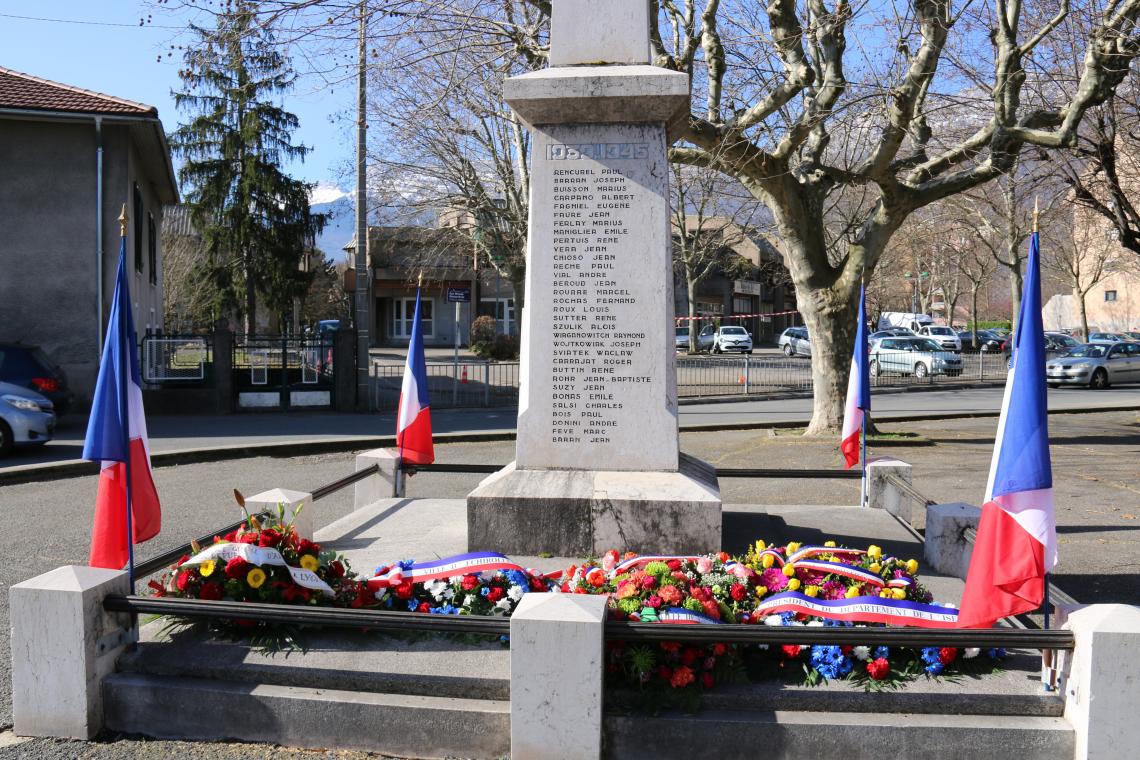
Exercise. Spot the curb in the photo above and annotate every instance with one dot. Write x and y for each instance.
(35, 473)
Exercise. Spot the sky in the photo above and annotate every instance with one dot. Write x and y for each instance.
(101, 46)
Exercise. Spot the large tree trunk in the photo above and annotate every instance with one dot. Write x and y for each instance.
(830, 314)
(691, 290)
(519, 287)
(974, 313)
(1080, 296)
(1016, 280)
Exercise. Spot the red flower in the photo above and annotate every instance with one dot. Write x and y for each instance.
(248, 538)
(211, 592)
(722, 556)
(682, 676)
(305, 546)
(293, 592)
(337, 568)
(157, 588)
(537, 584)
(712, 609)
(495, 594)
(947, 655)
(648, 582)
(183, 581)
(707, 680)
(791, 650)
(469, 582)
(404, 590)
(847, 649)
(689, 656)
(237, 568)
(670, 646)
(719, 649)
(424, 607)
(674, 565)
(878, 669)
(739, 593)
(183, 559)
(269, 537)
(665, 672)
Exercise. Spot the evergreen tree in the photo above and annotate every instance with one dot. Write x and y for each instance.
(254, 218)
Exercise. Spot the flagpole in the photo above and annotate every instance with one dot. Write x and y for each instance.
(1045, 595)
(863, 489)
(124, 380)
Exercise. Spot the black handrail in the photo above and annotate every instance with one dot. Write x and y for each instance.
(347, 480)
(722, 472)
(1012, 638)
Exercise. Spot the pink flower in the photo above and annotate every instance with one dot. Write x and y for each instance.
(654, 601)
(647, 582)
(773, 579)
(742, 572)
(704, 565)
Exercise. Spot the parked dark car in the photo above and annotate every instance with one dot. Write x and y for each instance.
(29, 367)
(987, 341)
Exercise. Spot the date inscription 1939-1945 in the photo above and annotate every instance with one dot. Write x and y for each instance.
(598, 151)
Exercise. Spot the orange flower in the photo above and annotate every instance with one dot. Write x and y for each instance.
(682, 676)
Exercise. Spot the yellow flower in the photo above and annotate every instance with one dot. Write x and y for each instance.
(900, 593)
(793, 584)
(852, 592)
(912, 566)
(207, 568)
(767, 561)
(789, 569)
(874, 552)
(812, 591)
(793, 547)
(886, 593)
(760, 545)
(761, 591)
(309, 562)
(875, 568)
(255, 577)
(829, 543)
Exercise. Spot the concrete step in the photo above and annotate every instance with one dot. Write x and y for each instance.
(405, 725)
(816, 735)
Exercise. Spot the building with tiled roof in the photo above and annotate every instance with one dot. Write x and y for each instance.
(70, 159)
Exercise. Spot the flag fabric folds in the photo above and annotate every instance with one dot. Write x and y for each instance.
(1017, 535)
(858, 390)
(116, 435)
(413, 418)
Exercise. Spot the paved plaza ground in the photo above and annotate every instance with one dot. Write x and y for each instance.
(1096, 464)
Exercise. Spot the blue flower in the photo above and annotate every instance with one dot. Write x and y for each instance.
(516, 578)
(388, 602)
(930, 655)
(484, 591)
(830, 662)
(934, 668)
(996, 654)
(412, 605)
(444, 609)
(787, 617)
(406, 564)
(883, 652)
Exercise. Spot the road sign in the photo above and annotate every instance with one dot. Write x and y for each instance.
(459, 295)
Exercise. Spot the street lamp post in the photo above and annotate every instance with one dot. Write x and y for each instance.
(915, 278)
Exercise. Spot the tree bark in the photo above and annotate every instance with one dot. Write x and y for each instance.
(830, 315)
(1016, 281)
(974, 313)
(1080, 296)
(691, 289)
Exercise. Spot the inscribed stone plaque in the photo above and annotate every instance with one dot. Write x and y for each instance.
(598, 389)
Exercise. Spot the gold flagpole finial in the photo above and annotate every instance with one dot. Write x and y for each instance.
(123, 221)
(420, 280)
(1036, 211)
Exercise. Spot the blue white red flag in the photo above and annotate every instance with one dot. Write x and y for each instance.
(1017, 535)
(858, 390)
(413, 418)
(116, 435)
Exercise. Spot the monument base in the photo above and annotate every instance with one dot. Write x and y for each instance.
(587, 512)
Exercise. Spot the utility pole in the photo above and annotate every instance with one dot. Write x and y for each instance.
(363, 294)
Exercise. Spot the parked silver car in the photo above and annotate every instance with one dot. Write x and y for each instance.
(913, 356)
(1096, 365)
(26, 417)
(704, 338)
(795, 342)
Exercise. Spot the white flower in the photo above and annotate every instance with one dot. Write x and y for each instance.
(774, 620)
(970, 652)
(455, 579)
(487, 575)
(862, 653)
(468, 600)
(448, 593)
(503, 604)
(515, 593)
(815, 624)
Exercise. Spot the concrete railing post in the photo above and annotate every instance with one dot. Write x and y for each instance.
(63, 645)
(557, 671)
(882, 494)
(305, 522)
(1099, 683)
(947, 550)
(382, 485)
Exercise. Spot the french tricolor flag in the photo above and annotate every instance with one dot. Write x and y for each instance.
(858, 390)
(1017, 535)
(413, 420)
(116, 436)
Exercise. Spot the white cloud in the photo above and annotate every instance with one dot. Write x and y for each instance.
(326, 192)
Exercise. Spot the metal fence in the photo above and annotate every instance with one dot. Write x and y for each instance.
(176, 359)
(466, 384)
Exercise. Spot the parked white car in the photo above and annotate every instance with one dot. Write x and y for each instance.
(943, 336)
(732, 338)
(913, 356)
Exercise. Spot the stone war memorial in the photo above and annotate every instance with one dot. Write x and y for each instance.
(597, 462)
(593, 598)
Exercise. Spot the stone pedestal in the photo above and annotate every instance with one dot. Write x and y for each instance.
(63, 646)
(382, 485)
(597, 461)
(267, 501)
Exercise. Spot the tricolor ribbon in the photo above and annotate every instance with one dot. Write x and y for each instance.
(682, 616)
(811, 551)
(635, 562)
(863, 609)
(839, 568)
(469, 563)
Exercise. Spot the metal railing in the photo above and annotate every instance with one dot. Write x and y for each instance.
(175, 359)
(490, 384)
(731, 633)
(721, 472)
